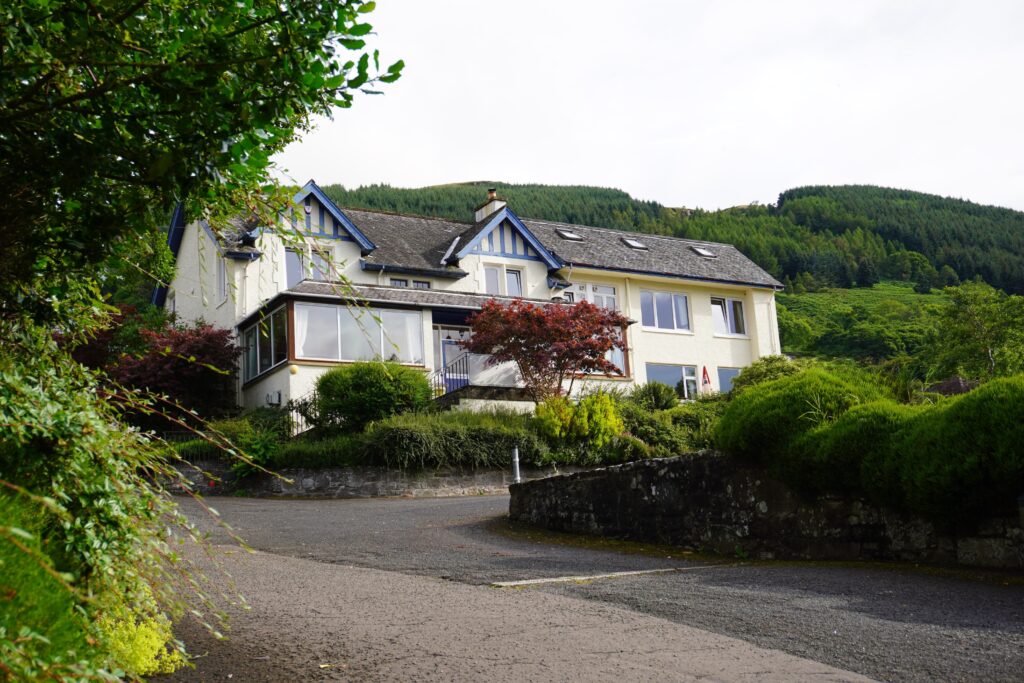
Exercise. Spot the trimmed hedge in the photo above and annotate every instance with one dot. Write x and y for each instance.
(346, 450)
(963, 459)
(655, 429)
(352, 396)
(762, 422)
(455, 439)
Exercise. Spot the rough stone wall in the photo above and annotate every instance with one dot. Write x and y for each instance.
(709, 501)
(215, 478)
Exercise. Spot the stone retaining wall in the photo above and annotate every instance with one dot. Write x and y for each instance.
(708, 501)
(216, 478)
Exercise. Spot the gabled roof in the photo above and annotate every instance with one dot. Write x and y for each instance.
(669, 256)
(312, 188)
(472, 237)
(408, 243)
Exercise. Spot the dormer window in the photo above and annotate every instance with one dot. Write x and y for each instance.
(634, 244)
(569, 235)
(703, 252)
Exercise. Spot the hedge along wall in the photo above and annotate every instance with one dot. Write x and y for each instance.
(955, 462)
(710, 501)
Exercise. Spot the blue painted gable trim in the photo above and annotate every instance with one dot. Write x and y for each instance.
(311, 188)
(506, 214)
(175, 234)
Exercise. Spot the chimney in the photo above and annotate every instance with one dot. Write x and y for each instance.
(491, 206)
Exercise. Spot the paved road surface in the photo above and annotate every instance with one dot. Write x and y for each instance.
(882, 623)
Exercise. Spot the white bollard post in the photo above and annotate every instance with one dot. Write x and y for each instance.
(515, 465)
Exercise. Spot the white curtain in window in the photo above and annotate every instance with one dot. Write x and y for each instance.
(360, 334)
(403, 336)
(316, 331)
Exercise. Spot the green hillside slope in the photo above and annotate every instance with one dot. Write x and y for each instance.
(815, 237)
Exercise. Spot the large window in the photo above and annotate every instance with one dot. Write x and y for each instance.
(329, 332)
(265, 344)
(664, 310)
(672, 375)
(294, 270)
(727, 316)
(491, 279)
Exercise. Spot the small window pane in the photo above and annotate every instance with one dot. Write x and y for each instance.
(682, 312)
(398, 282)
(316, 331)
(266, 355)
(360, 334)
(403, 336)
(293, 268)
(251, 354)
(420, 284)
(719, 316)
(690, 381)
(666, 374)
(663, 308)
(491, 280)
(738, 325)
(725, 378)
(321, 267)
(279, 335)
(647, 308)
(513, 283)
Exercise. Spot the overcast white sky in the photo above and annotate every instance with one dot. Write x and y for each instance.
(699, 104)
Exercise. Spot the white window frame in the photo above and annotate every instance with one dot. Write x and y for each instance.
(421, 284)
(587, 291)
(675, 329)
(730, 319)
(399, 282)
(222, 280)
(503, 270)
(254, 329)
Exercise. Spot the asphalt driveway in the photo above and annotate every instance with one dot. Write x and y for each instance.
(890, 623)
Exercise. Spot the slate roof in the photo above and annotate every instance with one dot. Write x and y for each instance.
(424, 298)
(412, 242)
(419, 243)
(671, 256)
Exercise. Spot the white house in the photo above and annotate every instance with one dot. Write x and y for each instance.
(369, 284)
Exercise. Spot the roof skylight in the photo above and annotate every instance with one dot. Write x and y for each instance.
(569, 235)
(634, 244)
(706, 253)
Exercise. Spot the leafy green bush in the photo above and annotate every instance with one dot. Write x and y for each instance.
(763, 370)
(655, 429)
(698, 418)
(416, 441)
(343, 450)
(963, 459)
(352, 396)
(582, 430)
(760, 424)
(34, 606)
(854, 455)
(654, 396)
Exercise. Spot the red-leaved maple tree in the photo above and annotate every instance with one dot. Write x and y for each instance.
(549, 344)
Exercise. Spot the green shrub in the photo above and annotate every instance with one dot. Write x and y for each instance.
(698, 419)
(352, 396)
(855, 455)
(654, 428)
(963, 459)
(763, 370)
(762, 422)
(343, 450)
(195, 450)
(417, 441)
(654, 396)
(627, 448)
(587, 426)
(34, 607)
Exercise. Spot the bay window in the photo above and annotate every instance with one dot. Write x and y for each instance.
(330, 332)
(265, 344)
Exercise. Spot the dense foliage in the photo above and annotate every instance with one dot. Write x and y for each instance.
(549, 344)
(954, 462)
(349, 397)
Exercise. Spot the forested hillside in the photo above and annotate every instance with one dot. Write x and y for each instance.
(815, 237)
